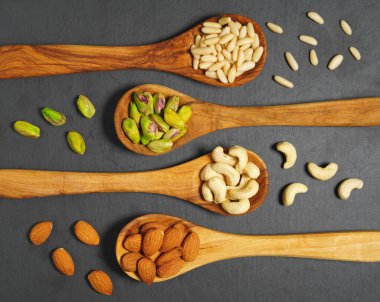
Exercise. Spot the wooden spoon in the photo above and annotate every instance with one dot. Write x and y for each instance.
(359, 246)
(173, 55)
(182, 181)
(209, 117)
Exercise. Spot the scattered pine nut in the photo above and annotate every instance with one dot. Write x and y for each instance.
(313, 57)
(274, 28)
(308, 40)
(355, 53)
(335, 62)
(282, 81)
(315, 17)
(345, 27)
(291, 61)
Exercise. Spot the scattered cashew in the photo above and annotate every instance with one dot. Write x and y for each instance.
(290, 154)
(232, 176)
(242, 156)
(291, 191)
(322, 173)
(209, 172)
(252, 170)
(219, 156)
(249, 190)
(346, 186)
(218, 188)
(236, 207)
(206, 193)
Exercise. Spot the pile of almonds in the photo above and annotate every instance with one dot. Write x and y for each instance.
(159, 250)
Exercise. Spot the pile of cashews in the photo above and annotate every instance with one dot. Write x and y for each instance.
(231, 180)
(317, 172)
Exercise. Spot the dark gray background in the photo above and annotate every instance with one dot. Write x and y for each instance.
(26, 272)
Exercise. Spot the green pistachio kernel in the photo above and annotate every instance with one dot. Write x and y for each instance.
(134, 113)
(26, 129)
(130, 129)
(86, 107)
(53, 117)
(172, 103)
(160, 122)
(76, 142)
(144, 102)
(185, 112)
(173, 119)
(160, 145)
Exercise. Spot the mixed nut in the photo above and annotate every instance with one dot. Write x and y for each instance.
(156, 122)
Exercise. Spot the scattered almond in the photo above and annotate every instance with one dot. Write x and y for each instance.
(129, 261)
(172, 238)
(133, 243)
(190, 247)
(170, 256)
(86, 233)
(146, 270)
(40, 232)
(171, 268)
(152, 225)
(100, 282)
(152, 241)
(63, 261)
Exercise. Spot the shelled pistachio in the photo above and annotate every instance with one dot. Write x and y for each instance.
(134, 113)
(185, 113)
(160, 145)
(86, 107)
(144, 102)
(76, 142)
(130, 129)
(158, 103)
(53, 117)
(26, 129)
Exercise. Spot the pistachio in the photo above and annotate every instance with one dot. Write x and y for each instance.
(85, 107)
(173, 119)
(144, 102)
(26, 129)
(160, 145)
(159, 102)
(130, 129)
(185, 112)
(53, 117)
(175, 134)
(181, 133)
(160, 122)
(76, 142)
(172, 103)
(149, 128)
(159, 134)
(144, 140)
(134, 113)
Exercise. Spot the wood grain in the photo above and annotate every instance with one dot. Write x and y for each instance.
(173, 55)
(182, 181)
(359, 246)
(209, 117)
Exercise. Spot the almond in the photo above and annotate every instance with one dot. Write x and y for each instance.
(129, 261)
(152, 225)
(100, 282)
(133, 243)
(146, 270)
(170, 269)
(40, 232)
(86, 233)
(152, 241)
(63, 261)
(190, 247)
(182, 228)
(170, 256)
(172, 238)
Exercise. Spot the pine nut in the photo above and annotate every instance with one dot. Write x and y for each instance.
(211, 41)
(275, 28)
(227, 54)
(335, 62)
(235, 53)
(211, 36)
(212, 24)
(226, 67)
(201, 50)
(244, 41)
(224, 20)
(246, 46)
(240, 59)
(195, 63)
(247, 66)
(213, 50)
(256, 41)
(238, 25)
(248, 54)
(204, 65)
(232, 44)
(232, 74)
(211, 30)
(221, 76)
(315, 17)
(243, 32)
(346, 27)
(313, 57)
(226, 38)
(291, 61)
(197, 40)
(225, 31)
(233, 27)
(208, 59)
(308, 40)
(355, 53)
(218, 47)
(257, 53)
(282, 81)
(220, 57)
(211, 74)
(216, 66)
(239, 73)
(250, 30)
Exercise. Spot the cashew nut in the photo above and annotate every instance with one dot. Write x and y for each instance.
(322, 173)
(242, 156)
(243, 181)
(252, 170)
(291, 191)
(289, 152)
(346, 186)
(236, 207)
(206, 193)
(232, 176)
(219, 156)
(208, 172)
(218, 188)
(249, 190)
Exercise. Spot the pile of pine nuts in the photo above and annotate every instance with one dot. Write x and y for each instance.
(226, 49)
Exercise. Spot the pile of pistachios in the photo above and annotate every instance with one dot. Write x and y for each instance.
(155, 122)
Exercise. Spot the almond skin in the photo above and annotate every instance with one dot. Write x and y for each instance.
(63, 261)
(129, 261)
(170, 269)
(190, 247)
(172, 238)
(170, 256)
(133, 243)
(146, 270)
(152, 241)
(152, 225)
(40, 232)
(100, 282)
(86, 233)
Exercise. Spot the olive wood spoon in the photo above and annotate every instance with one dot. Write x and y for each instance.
(182, 181)
(173, 55)
(358, 246)
(209, 117)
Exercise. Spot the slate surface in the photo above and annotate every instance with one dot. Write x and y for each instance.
(26, 273)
